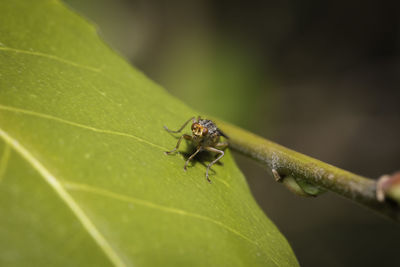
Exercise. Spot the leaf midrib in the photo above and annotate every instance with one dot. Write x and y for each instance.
(125, 198)
(66, 197)
(83, 218)
(90, 128)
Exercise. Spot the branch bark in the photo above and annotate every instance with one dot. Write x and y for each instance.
(287, 162)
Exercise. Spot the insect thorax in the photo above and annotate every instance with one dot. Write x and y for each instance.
(212, 128)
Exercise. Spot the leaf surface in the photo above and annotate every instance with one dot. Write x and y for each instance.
(83, 177)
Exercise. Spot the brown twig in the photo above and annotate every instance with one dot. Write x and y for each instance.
(287, 162)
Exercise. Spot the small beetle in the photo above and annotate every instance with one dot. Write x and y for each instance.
(205, 136)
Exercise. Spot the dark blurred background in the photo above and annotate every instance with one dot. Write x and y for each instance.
(320, 77)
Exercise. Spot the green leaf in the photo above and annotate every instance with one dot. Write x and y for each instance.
(83, 177)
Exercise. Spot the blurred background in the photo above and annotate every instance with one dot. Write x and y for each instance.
(320, 77)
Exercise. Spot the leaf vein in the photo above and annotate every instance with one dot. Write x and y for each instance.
(66, 197)
(146, 203)
(49, 56)
(62, 60)
(79, 125)
(4, 161)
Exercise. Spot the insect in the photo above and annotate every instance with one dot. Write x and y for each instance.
(205, 136)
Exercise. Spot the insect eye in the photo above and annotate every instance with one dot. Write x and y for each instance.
(205, 131)
(194, 126)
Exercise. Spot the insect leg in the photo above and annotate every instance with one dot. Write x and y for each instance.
(186, 136)
(191, 156)
(212, 149)
(183, 126)
(222, 145)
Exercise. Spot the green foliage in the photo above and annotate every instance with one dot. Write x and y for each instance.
(83, 177)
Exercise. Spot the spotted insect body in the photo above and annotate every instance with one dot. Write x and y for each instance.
(212, 128)
(205, 136)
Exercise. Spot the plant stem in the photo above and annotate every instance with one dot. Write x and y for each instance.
(291, 163)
